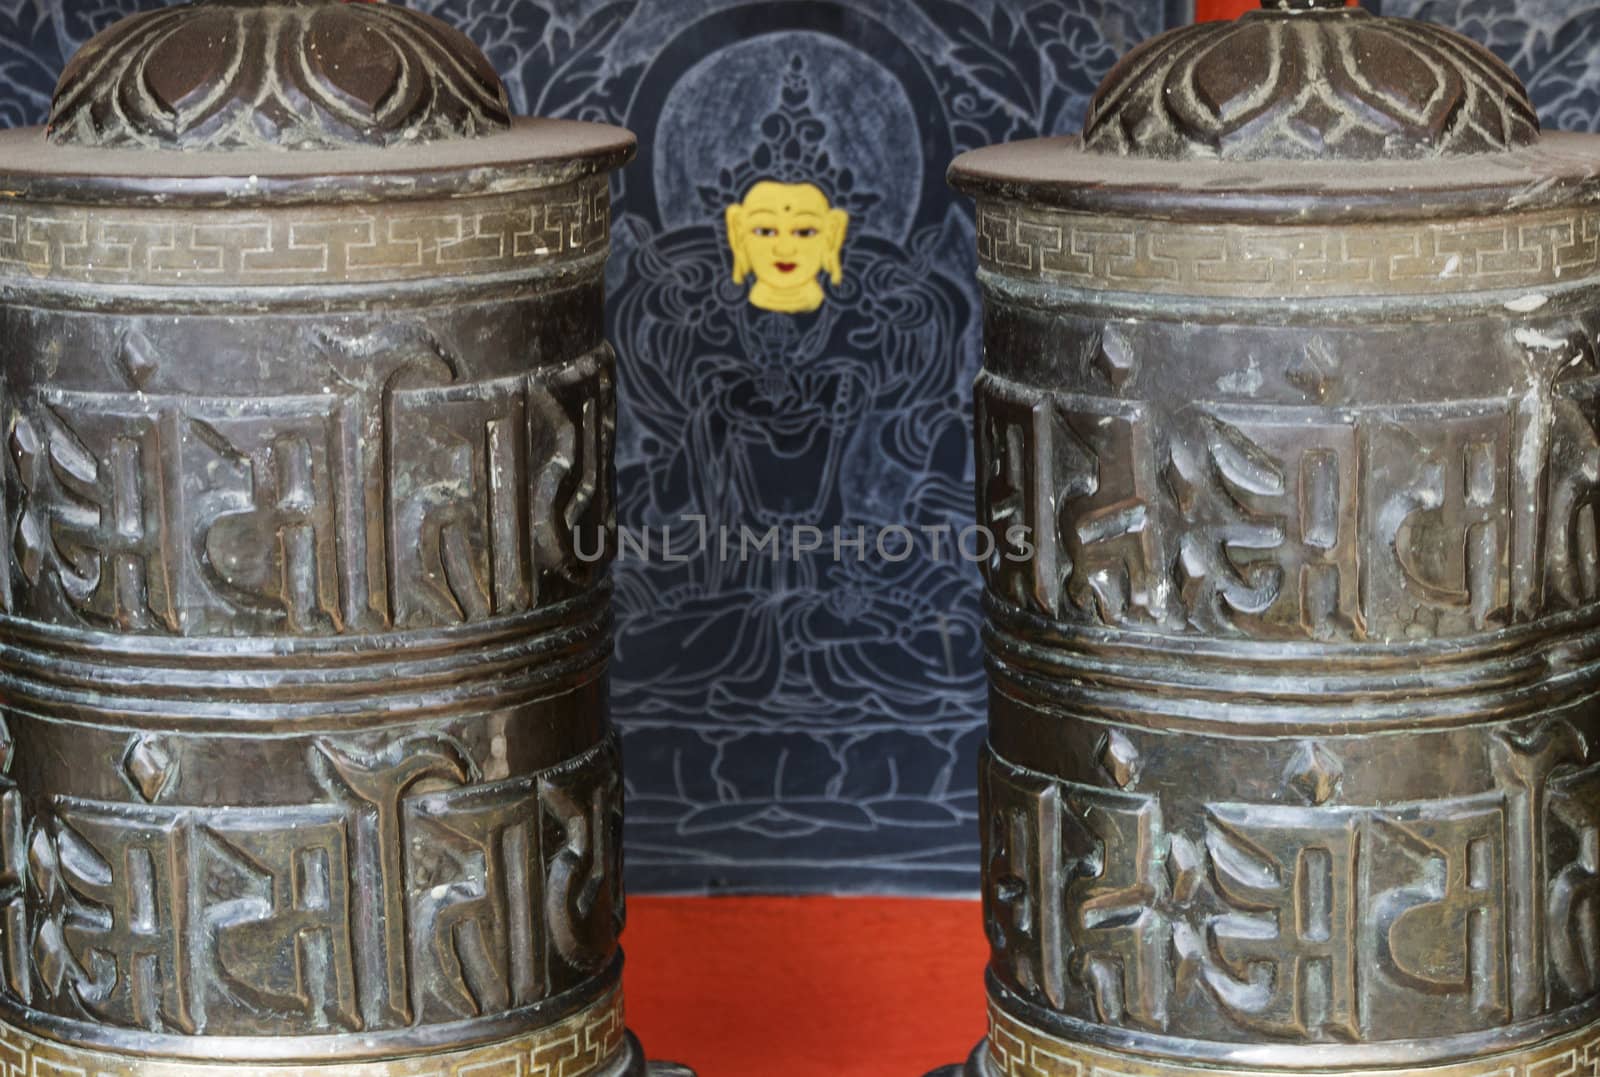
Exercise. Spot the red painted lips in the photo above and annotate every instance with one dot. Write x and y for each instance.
(786, 267)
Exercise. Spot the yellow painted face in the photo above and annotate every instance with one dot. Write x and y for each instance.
(787, 235)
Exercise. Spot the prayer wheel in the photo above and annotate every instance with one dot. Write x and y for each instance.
(309, 423)
(1287, 430)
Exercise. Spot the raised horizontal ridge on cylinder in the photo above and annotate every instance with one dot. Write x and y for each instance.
(589, 1039)
(265, 684)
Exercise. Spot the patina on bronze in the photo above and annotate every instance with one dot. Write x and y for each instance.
(309, 425)
(1291, 379)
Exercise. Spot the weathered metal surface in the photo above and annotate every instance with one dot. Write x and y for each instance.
(285, 75)
(1290, 411)
(307, 766)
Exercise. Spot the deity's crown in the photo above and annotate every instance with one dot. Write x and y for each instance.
(792, 149)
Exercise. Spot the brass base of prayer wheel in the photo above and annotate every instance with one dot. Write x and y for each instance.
(1014, 1049)
(590, 1042)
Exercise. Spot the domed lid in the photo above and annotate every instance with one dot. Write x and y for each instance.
(276, 74)
(1310, 79)
(243, 102)
(1304, 111)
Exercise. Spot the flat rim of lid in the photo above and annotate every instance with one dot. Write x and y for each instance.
(1560, 170)
(532, 153)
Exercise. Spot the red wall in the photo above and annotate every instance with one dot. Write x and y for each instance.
(1225, 9)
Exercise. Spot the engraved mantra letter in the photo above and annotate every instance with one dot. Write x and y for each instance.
(1238, 520)
(285, 520)
(419, 895)
(1302, 923)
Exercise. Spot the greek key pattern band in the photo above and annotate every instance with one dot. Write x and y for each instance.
(303, 245)
(580, 1045)
(1212, 260)
(1016, 1049)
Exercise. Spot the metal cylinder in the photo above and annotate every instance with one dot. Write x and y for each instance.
(1288, 431)
(309, 425)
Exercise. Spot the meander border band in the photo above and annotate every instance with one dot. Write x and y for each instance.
(1017, 1049)
(1103, 253)
(584, 1043)
(388, 242)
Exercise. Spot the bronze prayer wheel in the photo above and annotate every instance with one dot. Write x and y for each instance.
(309, 423)
(1288, 424)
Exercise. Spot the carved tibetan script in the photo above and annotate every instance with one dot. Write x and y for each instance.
(416, 893)
(417, 506)
(1264, 522)
(1305, 923)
